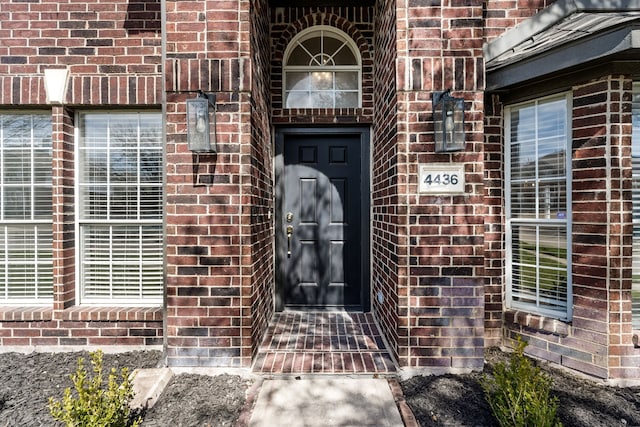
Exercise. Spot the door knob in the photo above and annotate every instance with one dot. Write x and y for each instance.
(289, 234)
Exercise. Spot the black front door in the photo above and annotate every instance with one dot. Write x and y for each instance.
(320, 253)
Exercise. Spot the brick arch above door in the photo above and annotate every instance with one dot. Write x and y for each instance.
(320, 18)
(360, 32)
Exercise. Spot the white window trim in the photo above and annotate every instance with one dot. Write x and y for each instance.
(509, 221)
(36, 223)
(79, 222)
(308, 33)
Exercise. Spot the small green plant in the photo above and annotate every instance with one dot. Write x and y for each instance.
(520, 394)
(94, 405)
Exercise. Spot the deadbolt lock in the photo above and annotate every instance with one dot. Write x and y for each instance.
(289, 216)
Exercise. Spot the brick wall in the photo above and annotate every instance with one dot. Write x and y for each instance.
(260, 186)
(598, 340)
(384, 198)
(437, 260)
(494, 252)
(623, 355)
(103, 44)
(592, 205)
(602, 229)
(219, 233)
(64, 242)
(79, 327)
(440, 47)
(112, 52)
(500, 15)
(210, 247)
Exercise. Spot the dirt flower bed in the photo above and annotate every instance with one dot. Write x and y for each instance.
(458, 400)
(198, 400)
(27, 381)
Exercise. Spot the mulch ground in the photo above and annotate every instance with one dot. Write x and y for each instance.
(27, 381)
(458, 400)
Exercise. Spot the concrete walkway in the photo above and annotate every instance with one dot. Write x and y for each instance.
(326, 402)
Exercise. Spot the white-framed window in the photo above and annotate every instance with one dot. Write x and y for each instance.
(635, 159)
(322, 69)
(538, 206)
(119, 200)
(26, 222)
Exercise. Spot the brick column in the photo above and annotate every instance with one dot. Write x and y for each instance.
(624, 357)
(208, 209)
(441, 237)
(494, 222)
(64, 279)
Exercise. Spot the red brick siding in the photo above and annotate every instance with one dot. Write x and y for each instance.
(494, 253)
(500, 15)
(113, 53)
(64, 241)
(112, 50)
(384, 240)
(442, 236)
(438, 261)
(210, 247)
(262, 303)
(624, 358)
(56, 333)
(96, 327)
(598, 340)
(593, 206)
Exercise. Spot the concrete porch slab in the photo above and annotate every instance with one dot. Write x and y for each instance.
(326, 402)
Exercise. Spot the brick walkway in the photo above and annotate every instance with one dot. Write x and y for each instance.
(323, 343)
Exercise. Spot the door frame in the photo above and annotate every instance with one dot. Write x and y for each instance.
(364, 135)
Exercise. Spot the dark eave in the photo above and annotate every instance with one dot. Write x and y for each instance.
(567, 36)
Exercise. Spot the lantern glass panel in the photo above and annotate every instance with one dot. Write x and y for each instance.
(198, 125)
(448, 123)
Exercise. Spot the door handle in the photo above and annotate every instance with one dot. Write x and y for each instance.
(289, 234)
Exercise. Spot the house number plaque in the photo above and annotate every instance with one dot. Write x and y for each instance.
(444, 178)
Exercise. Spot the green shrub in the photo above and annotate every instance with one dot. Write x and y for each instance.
(520, 394)
(93, 405)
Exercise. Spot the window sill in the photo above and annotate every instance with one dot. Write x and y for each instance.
(104, 314)
(81, 313)
(25, 313)
(538, 322)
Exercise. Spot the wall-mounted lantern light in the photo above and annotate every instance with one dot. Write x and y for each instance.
(198, 131)
(448, 121)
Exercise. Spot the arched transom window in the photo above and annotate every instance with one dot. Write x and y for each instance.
(322, 70)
